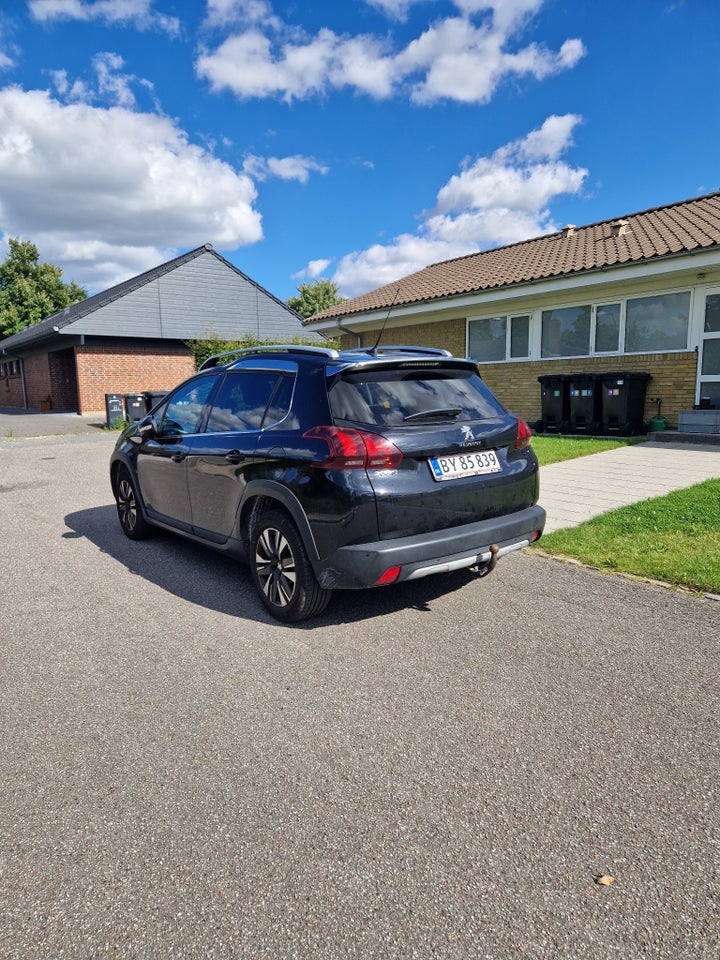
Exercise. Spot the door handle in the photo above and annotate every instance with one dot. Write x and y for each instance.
(178, 457)
(233, 456)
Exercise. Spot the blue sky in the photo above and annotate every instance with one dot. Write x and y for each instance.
(357, 141)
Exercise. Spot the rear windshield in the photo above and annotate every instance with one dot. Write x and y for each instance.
(401, 396)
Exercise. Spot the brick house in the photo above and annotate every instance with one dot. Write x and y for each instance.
(132, 337)
(640, 293)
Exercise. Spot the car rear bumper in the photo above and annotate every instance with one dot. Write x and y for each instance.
(363, 564)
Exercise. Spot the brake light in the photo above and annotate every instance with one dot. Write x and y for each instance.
(524, 435)
(355, 449)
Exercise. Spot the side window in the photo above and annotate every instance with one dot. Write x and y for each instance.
(242, 400)
(183, 411)
(280, 402)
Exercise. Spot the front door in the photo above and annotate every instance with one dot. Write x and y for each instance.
(709, 366)
(162, 460)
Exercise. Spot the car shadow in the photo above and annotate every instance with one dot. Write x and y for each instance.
(209, 579)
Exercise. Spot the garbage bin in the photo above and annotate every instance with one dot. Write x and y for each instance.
(555, 404)
(584, 403)
(152, 398)
(623, 402)
(134, 406)
(113, 410)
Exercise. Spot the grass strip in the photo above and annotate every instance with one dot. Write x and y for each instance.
(675, 538)
(553, 449)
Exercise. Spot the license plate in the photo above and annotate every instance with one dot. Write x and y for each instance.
(464, 465)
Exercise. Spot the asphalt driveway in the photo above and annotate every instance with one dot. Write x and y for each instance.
(437, 770)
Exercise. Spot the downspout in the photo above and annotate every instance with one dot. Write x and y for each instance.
(22, 383)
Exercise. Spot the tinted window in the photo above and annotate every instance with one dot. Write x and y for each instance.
(566, 332)
(244, 398)
(183, 411)
(657, 323)
(382, 397)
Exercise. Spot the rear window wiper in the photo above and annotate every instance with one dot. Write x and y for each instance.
(441, 412)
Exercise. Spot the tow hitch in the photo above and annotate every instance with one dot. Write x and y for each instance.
(483, 569)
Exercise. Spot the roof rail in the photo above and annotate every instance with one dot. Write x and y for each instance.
(269, 348)
(430, 351)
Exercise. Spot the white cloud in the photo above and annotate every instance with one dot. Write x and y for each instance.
(495, 200)
(394, 9)
(222, 13)
(312, 271)
(108, 86)
(137, 13)
(454, 59)
(83, 182)
(284, 168)
(522, 176)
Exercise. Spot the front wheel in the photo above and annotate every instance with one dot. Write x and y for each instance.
(134, 525)
(281, 570)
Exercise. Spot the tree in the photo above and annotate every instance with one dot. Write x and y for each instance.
(314, 297)
(30, 290)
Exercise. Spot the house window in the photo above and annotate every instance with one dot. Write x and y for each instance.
(499, 338)
(487, 339)
(711, 358)
(712, 313)
(657, 323)
(607, 328)
(519, 337)
(566, 332)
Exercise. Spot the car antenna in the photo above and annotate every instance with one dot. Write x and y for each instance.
(382, 329)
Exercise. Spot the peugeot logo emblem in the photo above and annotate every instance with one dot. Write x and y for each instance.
(467, 433)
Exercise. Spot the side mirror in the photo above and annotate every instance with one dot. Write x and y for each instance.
(144, 430)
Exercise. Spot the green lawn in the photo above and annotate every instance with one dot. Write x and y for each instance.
(675, 538)
(550, 449)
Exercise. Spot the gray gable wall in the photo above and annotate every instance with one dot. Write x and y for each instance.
(201, 297)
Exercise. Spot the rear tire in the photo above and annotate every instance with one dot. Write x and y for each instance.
(282, 572)
(133, 523)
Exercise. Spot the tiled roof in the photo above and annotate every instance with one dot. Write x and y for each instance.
(633, 238)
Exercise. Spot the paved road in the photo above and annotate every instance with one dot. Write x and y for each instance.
(438, 770)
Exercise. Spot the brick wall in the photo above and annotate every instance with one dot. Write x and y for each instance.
(673, 380)
(38, 382)
(516, 384)
(11, 391)
(131, 369)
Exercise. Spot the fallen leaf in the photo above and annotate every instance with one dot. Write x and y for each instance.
(604, 880)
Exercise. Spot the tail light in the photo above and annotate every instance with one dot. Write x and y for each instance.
(524, 435)
(355, 449)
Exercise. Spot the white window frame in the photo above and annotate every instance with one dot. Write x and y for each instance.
(535, 332)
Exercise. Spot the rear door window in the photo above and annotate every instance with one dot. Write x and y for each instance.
(250, 400)
(402, 396)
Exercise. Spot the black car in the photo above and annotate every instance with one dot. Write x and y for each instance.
(332, 470)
